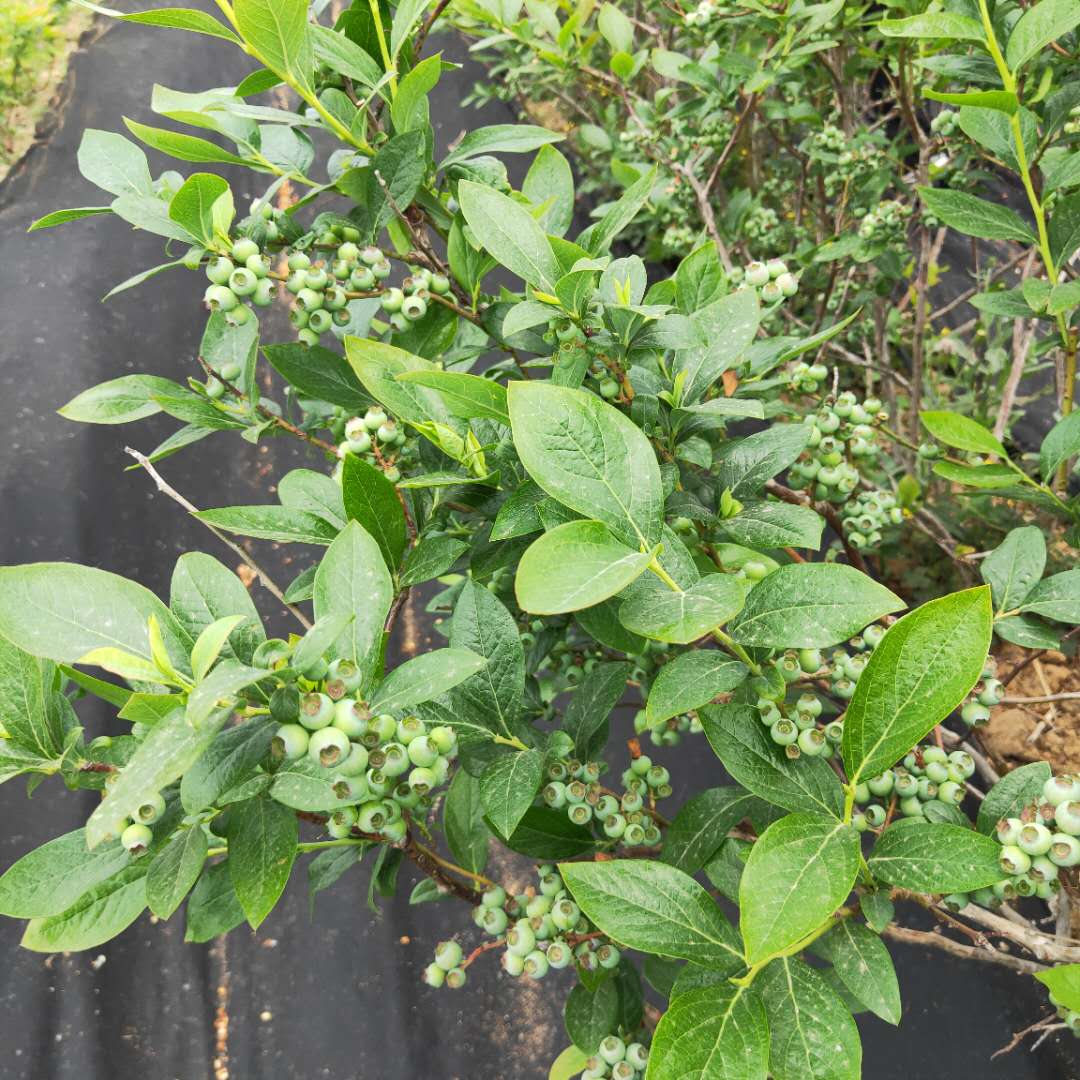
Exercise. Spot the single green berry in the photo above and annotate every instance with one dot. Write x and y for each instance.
(1064, 850)
(612, 1049)
(316, 711)
(136, 838)
(607, 956)
(1034, 839)
(1014, 860)
(243, 249)
(220, 298)
(328, 746)
(243, 282)
(434, 975)
(149, 811)
(455, 979)
(219, 270)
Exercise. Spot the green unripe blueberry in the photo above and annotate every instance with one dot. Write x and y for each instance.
(905, 784)
(1042, 869)
(614, 826)
(565, 914)
(637, 1056)
(434, 975)
(316, 279)
(964, 762)
(512, 964)
(955, 902)
(973, 714)
(494, 896)
(371, 255)
(756, 274)
(521, 940)
(558, 955)
(328, 746)
(495, 920)
(350, 786)
(220, 298)
(991, 692)
(414, 307)
(149, 811)
(316, 711)
(536, 965)
(296, 282)
(309, 300)
(937, 772)
(219, 270)
(422, 751)
(951, 793)
(355, 763)
(243, 249)
(882, 784)
(423, 780)
(456, 978)
(612, 1049)
(348, 252)
(859, 821)
(448, 955)
(834, 732)
(911, 806)
(927, 789)
(351, 717)
(554, 794)
(392, 299)
(395, 760)
(657, 776)
(340, 823)
(1034, 839)
(136, 838)
(1067, 817)
(787, 284)
(1059, 789)
(1014, 860)
(811, 742)
(631, 802)
(243, 282)
(1064, 850)
(783, 732)
(334, 299)
(875, 815)
(580, 813)
(608, 956)
(606, 805)
(440, 284)
(1008, 830)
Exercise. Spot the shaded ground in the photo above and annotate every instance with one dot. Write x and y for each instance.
(340, 997)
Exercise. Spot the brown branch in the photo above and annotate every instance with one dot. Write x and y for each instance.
(827, 511)
(963, 952)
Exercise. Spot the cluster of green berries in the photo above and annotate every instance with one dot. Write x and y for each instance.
(773, 280)
(409, 303)
(670, 732)
(807, 378)
(576, 347)
(574, 786)
(321, 295)
(379, 766)
(867, 515)
(987, 693)
(799, 726)
(374, 431)
(135, 833)
(761, 226)
(1037, 844)
(945, 123)
(885, 223)
(841, 434)
(238, 279)
(701, 14)
(617, 1059)
(928, 774)
(543, 930)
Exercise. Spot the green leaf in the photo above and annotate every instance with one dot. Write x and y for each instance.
(27, 713)
(935, 858)
(118, 401)
(728, 325)
(1011, 794)
(934, 24)
(425, 677)
(509, 785)
(213, 908)
(922, 670)
(864, 966)
(305, 785)
(319, 373)
(591, 1015)
(1056, 597)
(802, 1007)
(702, 825)
(62, 217)
(52, 878)
(277, 31)
(979, 476)
(743, 745)
(1062, 443)
(210, 643)
(775, 525)
(499, 139)
(1000, 100)
(197, 22)
(492, 696)
(192, 207)
(976, 217)
(745, 465)
(799, 872)
(378, 366)
(99, 914)
(203, 591)
(550, 180)
(597, 238)
(229, 759)
(575, 566)
(401, 163)
(262, 848)
(1063, 982)
(568, 1064)
(712, 1033)
(314, 492)
(372, 500)
(654, 908)
(184, 147)
(467, 834)
(467, 396)
(1041, 24)
(1028, 631)
(345, 56)
(279, 523)
(689, 681)
(510, 234)
(114, 164)
(352, 579)
(544, 833)
(63, 611)
(175, 870)
(811, 605)
(1014, 567)
(686, 615)
(589, 456)
(585, 718)
(431, 558)
(953, 429)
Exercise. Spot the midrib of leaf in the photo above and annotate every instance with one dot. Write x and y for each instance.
(727, 1016)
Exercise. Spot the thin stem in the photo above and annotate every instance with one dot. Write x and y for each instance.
(446, 864)
(263, 576)
(376, 15)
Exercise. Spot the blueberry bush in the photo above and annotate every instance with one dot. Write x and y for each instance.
(618, 483)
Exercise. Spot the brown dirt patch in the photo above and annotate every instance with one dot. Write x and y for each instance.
(1041, 731)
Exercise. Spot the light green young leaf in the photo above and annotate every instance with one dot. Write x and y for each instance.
(62, 217)
(551, 180)
(269, 522)
(510, 234)
(114, 164)
(597, 238)
(953, 429)
(1060, 444)
(590, 457)
(922, 670)
(728, 326)
(210, 643)
(575, 566)
(230, 759)
(976, 217)
(1063, 982)
(467, 396)
(811, 605)
(193, 206)
(935, 858)
(934, 24)
(500, 139)
(118, 401)
(712, 1033)
(568, 1064)
(278, 33)
(799, 872)
(378, 365)
(656, 909)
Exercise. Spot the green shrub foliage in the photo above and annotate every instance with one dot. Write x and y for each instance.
(677, 484)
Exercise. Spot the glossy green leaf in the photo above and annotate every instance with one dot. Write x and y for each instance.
(1056, 597)
(1014, 791)
(174, 871)
(509, 785)
(425, 677)
(262, 848)
(1014, 567)
(702, 824)
(686, 615)
(689, 681)
(863, 964)
(935, 858)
